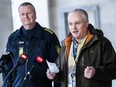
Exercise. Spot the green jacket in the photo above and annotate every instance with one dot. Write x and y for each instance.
(97, 52)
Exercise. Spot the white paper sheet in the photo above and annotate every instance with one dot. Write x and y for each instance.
(52, 67)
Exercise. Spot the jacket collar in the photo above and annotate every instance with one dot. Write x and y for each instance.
(39, 30)
(68, 39)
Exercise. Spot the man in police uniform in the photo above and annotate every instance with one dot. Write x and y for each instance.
(33, 40)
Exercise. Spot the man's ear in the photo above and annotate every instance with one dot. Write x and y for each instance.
(87, 24)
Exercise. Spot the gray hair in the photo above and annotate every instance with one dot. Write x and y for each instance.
(85, 14)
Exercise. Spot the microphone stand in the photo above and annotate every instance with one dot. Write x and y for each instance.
(28, 77)
(9, 78)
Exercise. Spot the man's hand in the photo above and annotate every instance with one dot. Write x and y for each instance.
(89, 72)
(50, 74)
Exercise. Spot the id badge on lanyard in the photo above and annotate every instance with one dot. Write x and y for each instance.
(73, 83)
(73, 75)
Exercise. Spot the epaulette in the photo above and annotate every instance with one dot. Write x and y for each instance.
(48, 30)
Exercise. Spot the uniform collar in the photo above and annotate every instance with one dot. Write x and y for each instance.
(37, 32)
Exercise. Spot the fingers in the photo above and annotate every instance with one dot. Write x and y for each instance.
(89, 72)
(50, 74)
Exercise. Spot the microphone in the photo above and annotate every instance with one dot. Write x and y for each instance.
(5, 59)
(21, 61)
(38, 61)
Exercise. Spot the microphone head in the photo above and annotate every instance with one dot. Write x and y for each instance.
(6, 57)
(22, 59)
(39, 60)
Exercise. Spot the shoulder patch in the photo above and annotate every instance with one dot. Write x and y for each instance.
(49, 30)
(57, 48)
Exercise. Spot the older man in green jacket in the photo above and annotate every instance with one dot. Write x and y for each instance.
(87, 58)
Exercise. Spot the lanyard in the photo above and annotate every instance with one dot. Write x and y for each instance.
(78, 49)
(75, 60)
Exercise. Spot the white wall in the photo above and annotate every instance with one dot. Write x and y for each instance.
(5, 25)
(41, 7)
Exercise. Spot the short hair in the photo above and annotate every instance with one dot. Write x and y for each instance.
(85, 14)
(27, 3)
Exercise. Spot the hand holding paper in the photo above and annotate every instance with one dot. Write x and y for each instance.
(52, 66)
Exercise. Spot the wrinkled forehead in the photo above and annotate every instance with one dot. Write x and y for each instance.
(78, 15)
(75, 16)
